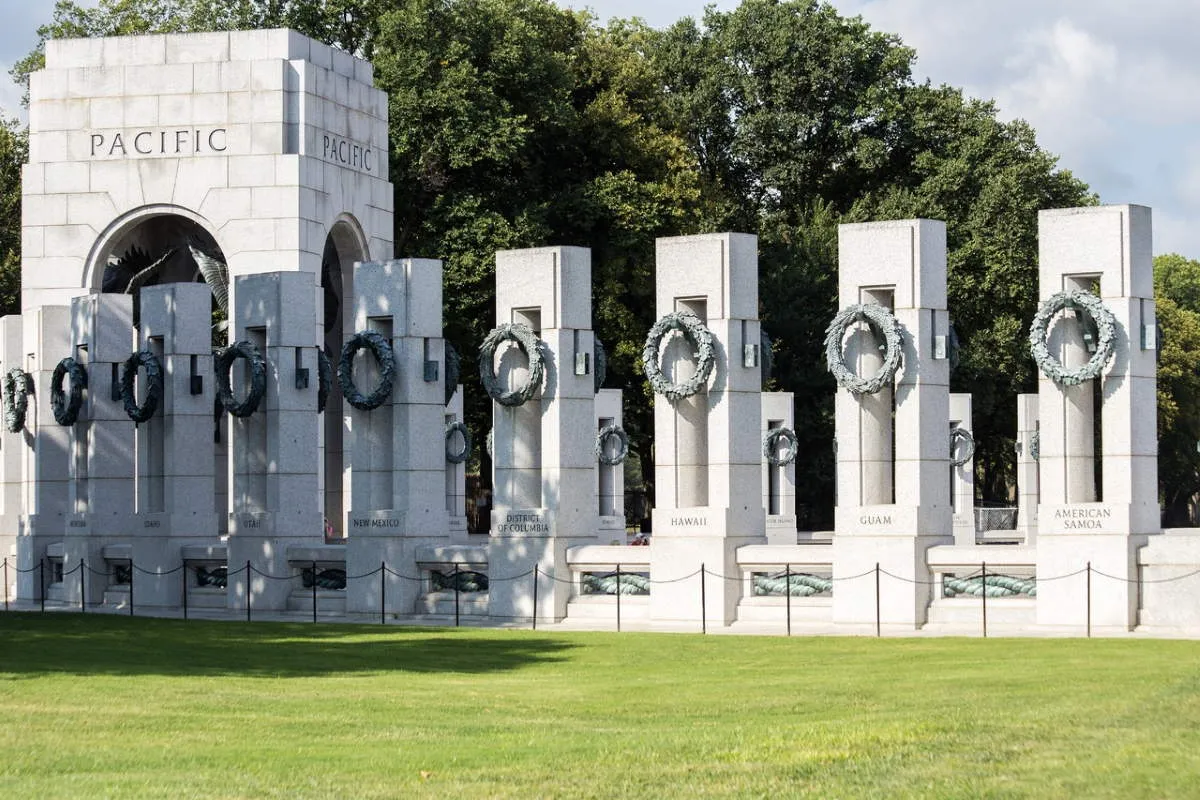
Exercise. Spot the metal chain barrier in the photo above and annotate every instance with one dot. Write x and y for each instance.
(383, 571)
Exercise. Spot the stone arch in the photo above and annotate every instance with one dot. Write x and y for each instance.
(151, 228)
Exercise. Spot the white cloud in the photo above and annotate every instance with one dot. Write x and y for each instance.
(1107, 84)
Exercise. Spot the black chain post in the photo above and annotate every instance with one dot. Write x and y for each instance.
(82, 587)
(42, 583)
(535, 597)
(787, 577)
(383, 593)
(456, 595)
(703, 603)
(878, 632)
(183, 566)
(314, 588)
(1089, 599)
(618, 598)
(6, 583)
(247, 590)
(983, 577)
(131, 571)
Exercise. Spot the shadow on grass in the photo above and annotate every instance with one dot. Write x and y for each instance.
(33, 644)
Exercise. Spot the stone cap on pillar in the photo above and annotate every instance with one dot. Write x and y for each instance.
(558, 280)
(407, 290)
(285, 303)
(908, 255)
(104, 322)
(179, 313)
(1112, 243)
(719, 268)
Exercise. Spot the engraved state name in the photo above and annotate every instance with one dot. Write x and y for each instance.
(1082, 518)
(523, 523)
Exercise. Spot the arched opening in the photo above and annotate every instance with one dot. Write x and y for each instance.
(150, 246)
(344, 245)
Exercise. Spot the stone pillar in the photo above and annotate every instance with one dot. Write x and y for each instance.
(901, 264)
(544, 450)
(708, 454)
(176, 499)
(12, 446)
(45, 468)
(1027, 466)
(397, 452)
(456, 474)
(610, 478)
(779, 481)
(102, 443)
(274, 496)
(962, 478)
(1108, 246)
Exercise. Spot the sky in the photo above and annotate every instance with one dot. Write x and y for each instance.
(1110, 86)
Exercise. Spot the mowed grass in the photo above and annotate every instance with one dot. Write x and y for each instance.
(104, 706)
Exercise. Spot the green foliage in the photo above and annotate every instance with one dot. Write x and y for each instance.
(1177, 300)
(14, 150)
(515, 123)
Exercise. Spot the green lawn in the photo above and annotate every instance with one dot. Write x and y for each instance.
(103, 706)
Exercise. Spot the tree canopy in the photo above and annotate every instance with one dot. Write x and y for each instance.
(14, 150)
(1177, 298)
(516, 123)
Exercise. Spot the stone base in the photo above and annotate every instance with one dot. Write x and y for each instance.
(611, 531)
(686, 539)
(35, 533)
(1063, 601)
(458, 530)
(261, 540)
(903, 600)
(1170, 584)
(511, 563)
(677, 594)
(157, 554)
(781, 529)
(10, 525)
(964, 530)
(85, 541)
(391, 538)
(524, 539)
